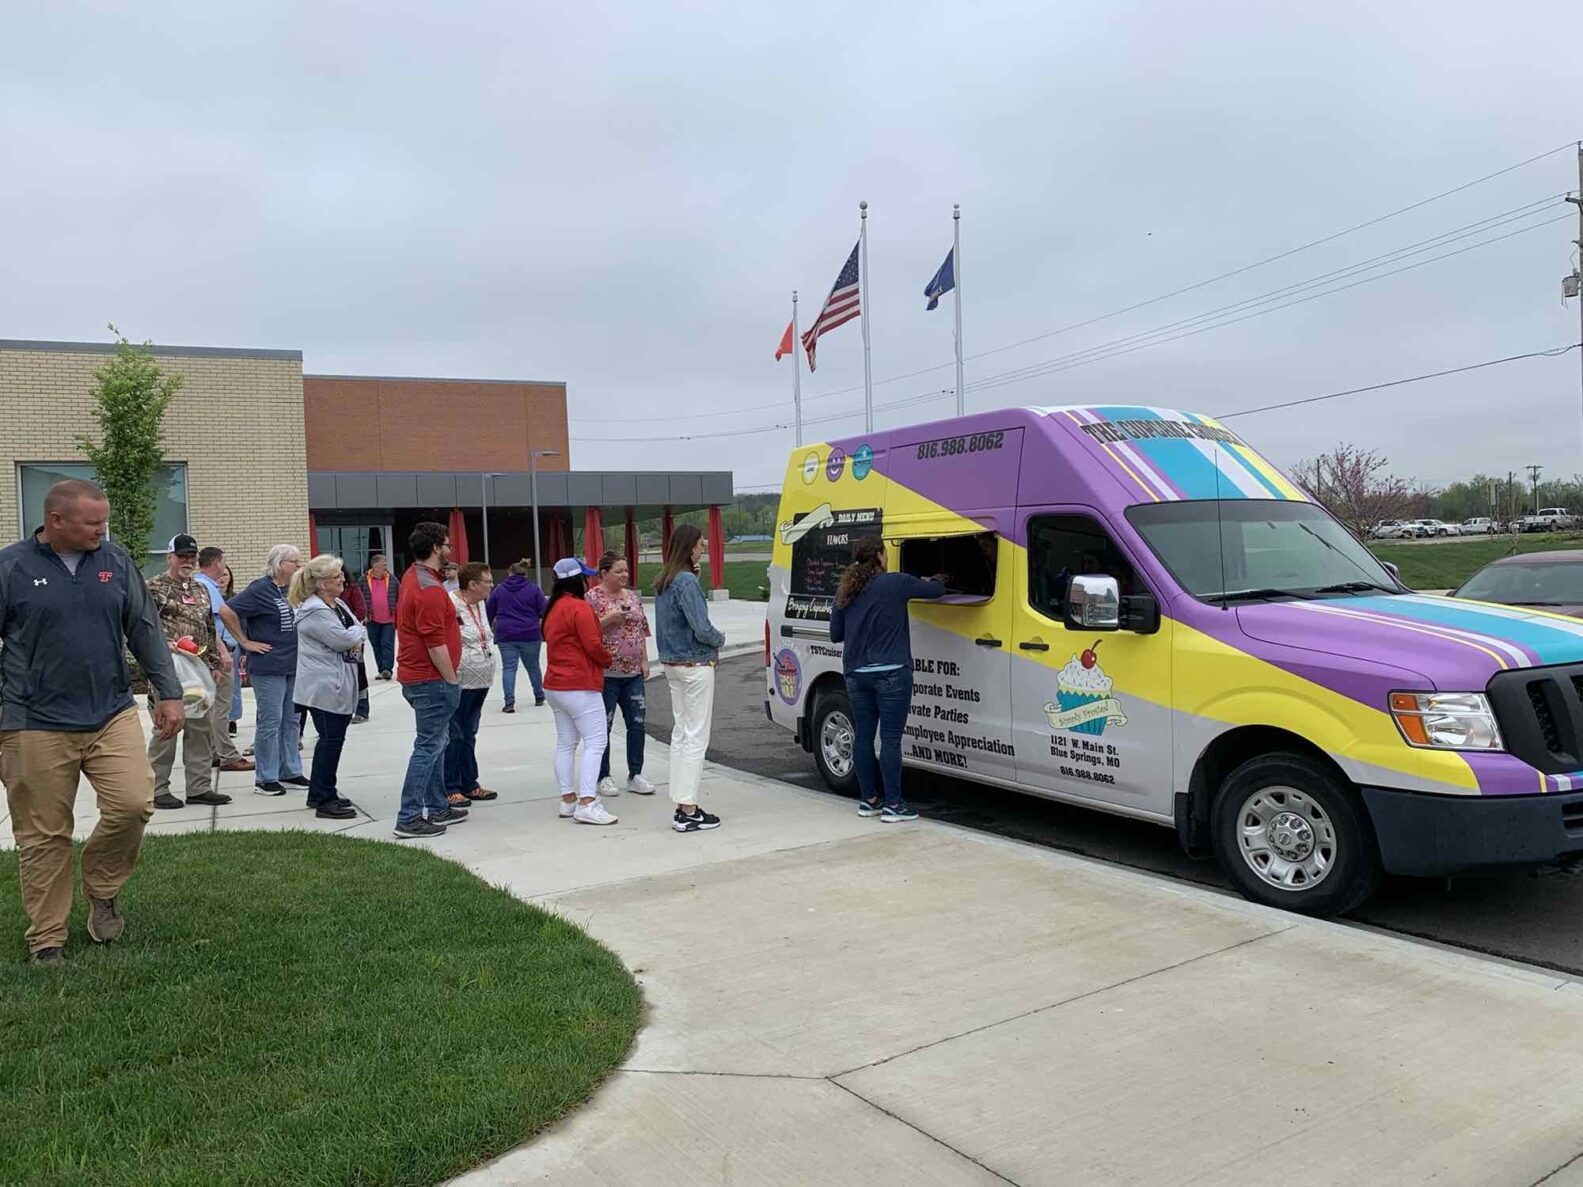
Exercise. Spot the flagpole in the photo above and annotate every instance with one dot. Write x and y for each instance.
(796, 370)
(863, 294)
(956, 274)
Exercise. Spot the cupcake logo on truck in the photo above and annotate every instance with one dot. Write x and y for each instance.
(1084, 703)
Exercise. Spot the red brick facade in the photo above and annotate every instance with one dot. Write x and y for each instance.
(389, 425)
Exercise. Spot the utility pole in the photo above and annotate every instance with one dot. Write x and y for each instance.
(1533, 477)
(1511, 504)
(1574, 283)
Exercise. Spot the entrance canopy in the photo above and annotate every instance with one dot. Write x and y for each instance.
(648, 494)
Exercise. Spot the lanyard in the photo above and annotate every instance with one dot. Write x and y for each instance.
(478, 621)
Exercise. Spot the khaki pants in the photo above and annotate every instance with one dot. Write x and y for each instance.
(692, 712)
(40, 769)
(197, 756)
(220, 717)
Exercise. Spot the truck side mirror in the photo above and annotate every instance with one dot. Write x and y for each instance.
(1093, 604)
(1394, 570)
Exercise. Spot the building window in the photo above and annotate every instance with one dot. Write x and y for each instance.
(170, 497)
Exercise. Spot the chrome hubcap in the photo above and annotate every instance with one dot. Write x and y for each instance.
(835, 743)
(1286, 838)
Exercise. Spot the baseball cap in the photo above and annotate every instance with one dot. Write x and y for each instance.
(572, 567)
(182, 544)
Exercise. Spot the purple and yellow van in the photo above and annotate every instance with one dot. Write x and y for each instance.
(1148, 618)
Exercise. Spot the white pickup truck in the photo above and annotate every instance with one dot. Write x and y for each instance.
(1550, 519)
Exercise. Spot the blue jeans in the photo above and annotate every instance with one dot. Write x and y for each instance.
(236, 690)
(880, 701)
(461, 750)
(382, 637)
(528, 655)
(423, 790)
(275, 754)
(629, 693)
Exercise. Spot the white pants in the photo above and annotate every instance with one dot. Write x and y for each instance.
(693, 711)
(579, 717)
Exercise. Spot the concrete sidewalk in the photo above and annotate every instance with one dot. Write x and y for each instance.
(836, 1001)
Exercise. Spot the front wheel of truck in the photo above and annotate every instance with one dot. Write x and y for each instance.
(1291, 833)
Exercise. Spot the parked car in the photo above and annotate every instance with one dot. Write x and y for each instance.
(1479, 526)
(1549, 519)
(1433, 527)
(1393, 529)
(1549, 580)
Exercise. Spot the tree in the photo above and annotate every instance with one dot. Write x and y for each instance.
(130, 395)
(1356, 486)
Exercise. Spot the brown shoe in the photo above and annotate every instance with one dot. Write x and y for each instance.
(482, 793)
(457, 799)
(104, 920)
(47, 958)
(237, 764)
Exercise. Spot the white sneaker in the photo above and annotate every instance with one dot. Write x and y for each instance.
(568, 810)
(607, 786)
(638, 785)
(594, 813)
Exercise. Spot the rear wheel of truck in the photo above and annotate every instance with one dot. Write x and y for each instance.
(833, 736)
(1291, 833)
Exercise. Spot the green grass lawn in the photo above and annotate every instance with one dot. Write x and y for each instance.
(745, 579)
(299, 1009)
(1446, 566)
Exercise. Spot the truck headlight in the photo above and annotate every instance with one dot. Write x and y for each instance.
(1446, 720)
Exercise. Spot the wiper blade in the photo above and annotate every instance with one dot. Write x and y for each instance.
(1356, 587)
(1245, 595)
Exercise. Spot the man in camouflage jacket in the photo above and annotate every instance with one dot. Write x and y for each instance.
(184, 609)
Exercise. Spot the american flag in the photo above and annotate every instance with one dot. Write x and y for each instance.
(839, 308)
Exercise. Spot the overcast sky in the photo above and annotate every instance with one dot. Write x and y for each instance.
(623, 194)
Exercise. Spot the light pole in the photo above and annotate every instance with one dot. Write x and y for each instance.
(486, 479)
(533, 480)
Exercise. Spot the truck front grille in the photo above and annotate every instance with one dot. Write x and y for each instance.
(1540, 712)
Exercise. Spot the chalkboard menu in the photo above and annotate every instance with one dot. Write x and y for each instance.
(821, 551)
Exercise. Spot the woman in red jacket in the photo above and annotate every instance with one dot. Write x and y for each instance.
(574, 684)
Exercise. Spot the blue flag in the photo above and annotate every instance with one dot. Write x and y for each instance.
(944, 280)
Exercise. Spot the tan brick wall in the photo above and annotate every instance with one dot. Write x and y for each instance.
(237, 424)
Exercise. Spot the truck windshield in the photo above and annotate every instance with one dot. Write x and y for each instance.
(1267, 549)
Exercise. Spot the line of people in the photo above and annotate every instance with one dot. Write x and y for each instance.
(594, 637)
(80, 628)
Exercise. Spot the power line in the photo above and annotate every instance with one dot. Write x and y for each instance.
(1466, 231)
(1375, 387)
(1556, 352)
(1125, 346)
(1152, 300)
(1161, 335)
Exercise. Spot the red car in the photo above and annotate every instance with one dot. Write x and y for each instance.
(1544, 580)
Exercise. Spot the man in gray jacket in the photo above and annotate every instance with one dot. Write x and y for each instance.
(70, 605)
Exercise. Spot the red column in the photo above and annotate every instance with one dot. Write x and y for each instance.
(667, 526)
(593, 537)
(632, 547)
(717, 551)
(313, 535)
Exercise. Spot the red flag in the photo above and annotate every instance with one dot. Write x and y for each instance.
(786, 343)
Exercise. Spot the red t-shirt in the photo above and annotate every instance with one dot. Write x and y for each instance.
(379, 599)
(577, 653)
(425, 617)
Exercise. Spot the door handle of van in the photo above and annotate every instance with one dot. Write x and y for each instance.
(987, 641)
(1033, 645)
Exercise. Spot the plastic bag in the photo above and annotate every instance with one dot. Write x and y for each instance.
(197, 683)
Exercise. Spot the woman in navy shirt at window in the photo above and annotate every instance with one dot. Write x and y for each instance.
(870, 618)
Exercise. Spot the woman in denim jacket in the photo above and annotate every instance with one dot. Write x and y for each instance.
(689, 647)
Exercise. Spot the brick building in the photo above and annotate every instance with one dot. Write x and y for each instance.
(258, 454)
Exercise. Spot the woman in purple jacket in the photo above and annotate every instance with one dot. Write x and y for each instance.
(516, 608)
